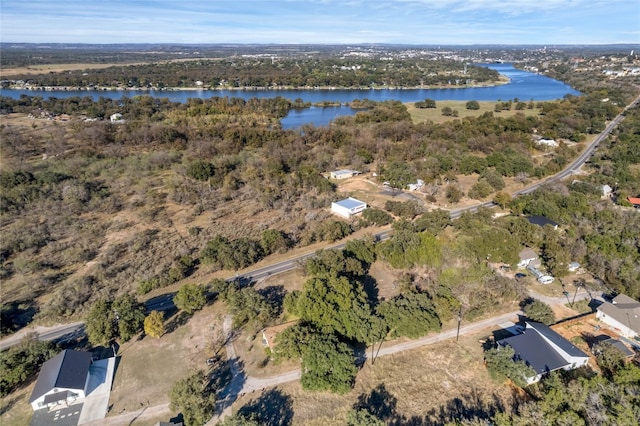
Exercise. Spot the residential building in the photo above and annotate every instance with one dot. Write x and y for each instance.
(116, 118)
(635, 201)
(62, 379)
(622, 314)
(606, 191)
(544, 350)
(527, 256)
(548, 142)
(343, 174)
(348, 207)
(540, 276)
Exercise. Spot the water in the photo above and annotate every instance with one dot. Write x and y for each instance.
(523, 85)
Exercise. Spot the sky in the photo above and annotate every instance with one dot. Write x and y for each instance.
(420, 22)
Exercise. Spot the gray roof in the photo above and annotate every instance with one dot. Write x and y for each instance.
(625, 310)
(68, 369)
(616, 344)
(350, 203)
(535, 352)
(557, 339)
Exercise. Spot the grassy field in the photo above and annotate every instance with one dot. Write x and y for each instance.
(430, 385)
(419, 115)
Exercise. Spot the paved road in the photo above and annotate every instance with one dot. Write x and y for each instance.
(165, 302)
(56, 332)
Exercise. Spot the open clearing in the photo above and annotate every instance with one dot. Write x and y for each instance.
(419, 115)
(432, 384)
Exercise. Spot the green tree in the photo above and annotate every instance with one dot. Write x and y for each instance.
(328, 365)
(274, 241)
(502, 199)
(154, 324)
(501, 365)
(472, 105)
(377, 217)
(410, 314)
(194, 397)
(129, 315)
(335, 305)
(190, 298)
(480, 190)
(22, 361)
(100, 323)
(249, 306)
(447, 111)
(362, 417)
(539, 311)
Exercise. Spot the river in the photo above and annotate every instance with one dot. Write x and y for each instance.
(523, 85)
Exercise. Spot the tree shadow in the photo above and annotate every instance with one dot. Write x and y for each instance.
(275, 296)
(230, 380)
(15, 316)
(370, 286)
(469, 407)
(379, 402)
(272, 408)
(177, 321)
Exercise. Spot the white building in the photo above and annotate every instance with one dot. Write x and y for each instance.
(116, 118)
(62, 379)
(548, 142)
(540, 276)
(606, 191)
(348, 207)
(622, 314)
(527, 256)
(343, 174)
(415, 186)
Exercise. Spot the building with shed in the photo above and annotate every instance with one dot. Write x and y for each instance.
(348, 207)
(62, 379)
(527, 256)
(544, 350)
(622, 314)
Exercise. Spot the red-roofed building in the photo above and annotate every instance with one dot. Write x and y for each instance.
(635, 201)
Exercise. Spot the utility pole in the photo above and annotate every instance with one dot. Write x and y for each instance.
(459, 321)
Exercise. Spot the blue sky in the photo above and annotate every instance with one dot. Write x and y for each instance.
(322, 21)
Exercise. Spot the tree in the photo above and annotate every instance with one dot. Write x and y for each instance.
(362, 417)
(480, 190)
(502, 199)
(22, 361)
(100, 323)
(328, 365)
(129, 316)
(453, 193)
(539, 311)
(501, 365)
(194, 397)
(447, 111)
(335, 305)
(154, 324)
(190, 298)
(472, 105)
(410, 314)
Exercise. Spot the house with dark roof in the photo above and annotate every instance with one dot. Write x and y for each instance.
(622, 314)
(542, 221)
(62, 379)
(544, 350)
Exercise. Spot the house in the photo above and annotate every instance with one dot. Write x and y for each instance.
(348, 207)
(622, 314)
(544, 350)
(606, 191)
(62, 379)
(634, 201)
(343, 174)
(527, 256)
(604, 340)
(269, 334)
(542, 221)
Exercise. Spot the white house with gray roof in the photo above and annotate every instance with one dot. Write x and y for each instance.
(622, 314)
(348, 207)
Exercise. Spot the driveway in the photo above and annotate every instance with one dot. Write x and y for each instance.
(58, 416)
(98, 390)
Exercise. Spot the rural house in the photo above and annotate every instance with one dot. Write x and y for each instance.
(348, 207)
(542, 221)
(527, 256)
(62, 379)
(622, 314)
(343, 174)
(544, 350)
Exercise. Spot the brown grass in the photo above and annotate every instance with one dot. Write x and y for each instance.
(424, 384)
(15, 407)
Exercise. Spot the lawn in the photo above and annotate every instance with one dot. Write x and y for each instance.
(419, 115)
